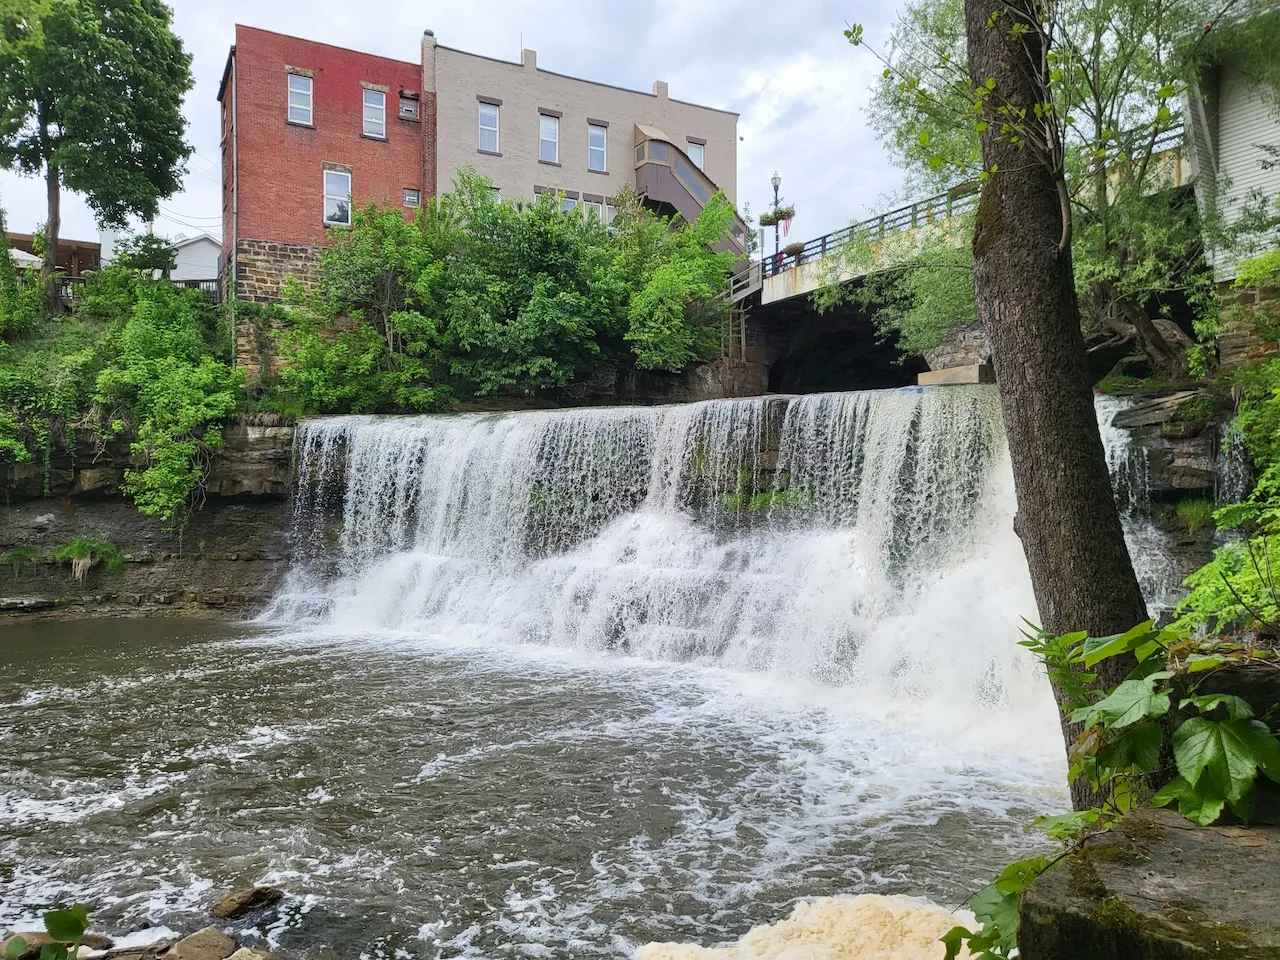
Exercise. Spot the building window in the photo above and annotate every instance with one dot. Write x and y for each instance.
(568, 204)
(596, 138)
(375, 114)
(696, 153)
(489, 127)
(412, 198)
(408, 108)
(337, 197)
(299, 99)
(548, 139)
(610, 213)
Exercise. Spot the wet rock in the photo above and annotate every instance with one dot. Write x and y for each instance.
(246, 901)
(247, 953)
(1158, 886)
(93, 943)
(207, 944)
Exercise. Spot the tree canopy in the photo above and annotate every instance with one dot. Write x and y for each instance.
(91, 95)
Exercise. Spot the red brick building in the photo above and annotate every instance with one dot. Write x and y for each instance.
(308, 131)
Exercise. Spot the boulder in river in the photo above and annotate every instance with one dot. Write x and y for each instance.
(1157, 886)
(36, 940)
(237, 904)
(207, 944)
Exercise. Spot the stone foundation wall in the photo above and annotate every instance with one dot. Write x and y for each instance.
(1241, 342)
(262, 266)
(965, 348)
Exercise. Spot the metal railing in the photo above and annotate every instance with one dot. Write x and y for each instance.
(935, 209)
(70, 289)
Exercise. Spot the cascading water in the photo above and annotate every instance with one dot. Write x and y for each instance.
(1157, 569)
(860, 538)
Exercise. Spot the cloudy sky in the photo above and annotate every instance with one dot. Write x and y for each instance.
(800, 88)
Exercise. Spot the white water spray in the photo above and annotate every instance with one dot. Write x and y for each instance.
(861, 539)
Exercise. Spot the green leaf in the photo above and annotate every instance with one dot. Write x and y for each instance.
(887, 73)
(923, 138)
(1199, 806)
(1163, 114)
(999, 910)
(1196, 662)
(1237, 709)
(54, 951)
(954, 940)
(67, 925)
(1138, 746)
(1131, 701)
(1222, 758)
(1067, 826)
(1165, 92)
(1097, 649)
(15, 948)
(1017, 875)
(991, 83)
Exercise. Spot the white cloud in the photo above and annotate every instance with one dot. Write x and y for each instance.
(800, 88)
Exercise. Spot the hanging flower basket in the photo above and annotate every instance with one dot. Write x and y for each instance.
(793, 250)
(773, 217)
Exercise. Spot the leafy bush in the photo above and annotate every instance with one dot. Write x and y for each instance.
(85, 553)
(19, 557)
(478, 295)
(65, 927)
(1206, 751)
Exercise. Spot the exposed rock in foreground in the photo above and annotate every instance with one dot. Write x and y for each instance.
(242, 902)
(1157, 887)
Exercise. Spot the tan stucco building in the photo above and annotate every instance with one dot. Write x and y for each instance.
(530, 130)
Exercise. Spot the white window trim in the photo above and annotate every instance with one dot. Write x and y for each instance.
(604, 149)
(702, 149)
(324, 180)
(541, 139)
(311, 102)
(378, 109)
(496, 128)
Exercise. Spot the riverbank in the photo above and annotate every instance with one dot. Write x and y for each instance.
(227, 561)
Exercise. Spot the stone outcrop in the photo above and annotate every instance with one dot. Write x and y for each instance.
(1157, 887)
(243, 902)
(964, 348)
(207, 944)
(227, 561)
(1178, 431)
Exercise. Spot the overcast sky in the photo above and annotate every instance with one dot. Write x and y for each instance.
(800, 88)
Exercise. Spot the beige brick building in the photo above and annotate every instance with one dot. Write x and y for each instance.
(530, 130)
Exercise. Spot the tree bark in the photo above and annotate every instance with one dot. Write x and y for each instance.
(1067, 518)
(52, 230)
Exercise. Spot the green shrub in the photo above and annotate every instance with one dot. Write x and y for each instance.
(19, 557)
(85, 553)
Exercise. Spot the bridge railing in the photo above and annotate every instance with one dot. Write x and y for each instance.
(911, 216)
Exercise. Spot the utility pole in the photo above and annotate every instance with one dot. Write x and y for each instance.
(777, 182)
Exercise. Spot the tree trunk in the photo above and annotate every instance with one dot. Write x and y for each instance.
(1067, 518)
(52, 230)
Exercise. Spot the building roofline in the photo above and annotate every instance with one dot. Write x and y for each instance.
(594, 83)
(332, 46)
(199, 236)
(226, 72)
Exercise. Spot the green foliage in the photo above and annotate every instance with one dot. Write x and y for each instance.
(162, 371)
(1218, 749)
(19, 557)
(477, 296)
(1195, 513)
(1114, 74)
(67, 929)
(91, 552)
(146, 252)
(93, 88)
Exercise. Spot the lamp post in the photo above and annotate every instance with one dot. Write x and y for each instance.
(777, 182)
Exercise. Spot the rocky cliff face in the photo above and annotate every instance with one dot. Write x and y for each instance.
(228, 560)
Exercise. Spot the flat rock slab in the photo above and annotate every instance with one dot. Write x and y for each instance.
(207, 944)
(246, 901)
(1157, 887)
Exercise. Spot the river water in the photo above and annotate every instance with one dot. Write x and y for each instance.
(559, 684)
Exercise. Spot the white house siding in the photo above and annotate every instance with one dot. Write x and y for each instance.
(458, 78)
(197, 260)
(1246, 119)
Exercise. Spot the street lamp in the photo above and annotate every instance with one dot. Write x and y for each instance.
(777, 182)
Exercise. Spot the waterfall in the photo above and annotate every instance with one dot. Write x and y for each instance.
(1157, 569)
(852, 539)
